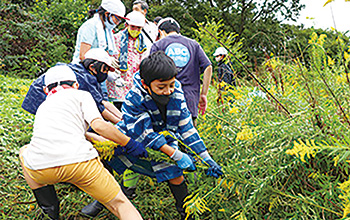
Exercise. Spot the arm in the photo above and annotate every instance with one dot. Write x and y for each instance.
(109, 132)
(112, 109)
(106, 114)
(84, 47)
(205, 87)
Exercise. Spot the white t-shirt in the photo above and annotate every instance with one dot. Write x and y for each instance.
(152, 30)
(59, 130)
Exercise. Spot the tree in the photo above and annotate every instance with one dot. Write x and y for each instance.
(258, 22)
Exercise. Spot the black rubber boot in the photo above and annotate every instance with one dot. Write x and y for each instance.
(180, 192)
(129, 192)
(92, 209)
(47, 200)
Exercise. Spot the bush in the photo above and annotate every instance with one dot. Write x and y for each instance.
(33, 41)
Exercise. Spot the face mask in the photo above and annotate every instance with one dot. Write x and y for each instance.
(161, 99)
(134, 33)
(218, 59)
(109, 23)
(100, 69)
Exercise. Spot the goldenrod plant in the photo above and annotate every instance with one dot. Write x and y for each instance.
(275, 166)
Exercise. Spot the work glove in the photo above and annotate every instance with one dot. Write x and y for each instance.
(214, 169)
(112, 76)
(183, 161)
(115, 63)
(120, 82)
(132, 148)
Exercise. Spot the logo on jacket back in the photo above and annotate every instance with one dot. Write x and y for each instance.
(179, 53)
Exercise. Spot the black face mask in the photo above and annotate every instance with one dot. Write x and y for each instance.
(160, 99)
(100, 68)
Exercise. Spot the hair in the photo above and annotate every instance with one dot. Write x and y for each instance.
(100, 11)
(144, 4)
(157, 66)
(169, 25)
(157, 19)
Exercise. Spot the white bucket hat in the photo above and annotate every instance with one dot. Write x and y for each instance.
(59, 74)
(136, 18)
(114, 7)
(220, 51)
(101, 55)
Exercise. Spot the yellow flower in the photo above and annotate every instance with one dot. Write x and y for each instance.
(233, 110)
(301, 149)
(346, 56)
(245, 134)
(330, 61)
(218, 127)
(336, 159)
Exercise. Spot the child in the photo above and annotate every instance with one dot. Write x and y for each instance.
(59, 152)
(156, 103)
(94, 69)
(225, 72)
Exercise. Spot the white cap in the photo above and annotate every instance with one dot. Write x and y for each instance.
(59, 74)
(136, 18)
(114, 7)
(220, 51)
(101, 55)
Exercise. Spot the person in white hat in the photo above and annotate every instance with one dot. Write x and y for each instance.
(89, 73)
(131, 49)
(150, 29)
(97, 32)
(225, 73)
(59, 152)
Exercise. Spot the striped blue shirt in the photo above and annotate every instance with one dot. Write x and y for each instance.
(142, 119)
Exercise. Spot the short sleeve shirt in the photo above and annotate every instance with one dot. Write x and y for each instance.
(190, 61)
(59, 130)
(87, 33)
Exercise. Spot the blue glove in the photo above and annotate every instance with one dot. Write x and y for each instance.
(133, 148)
(214, 169)
(183, 161)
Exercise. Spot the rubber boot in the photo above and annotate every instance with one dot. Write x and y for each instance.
(180, 192)
(129, 183)
(92, 209)
(47, 200)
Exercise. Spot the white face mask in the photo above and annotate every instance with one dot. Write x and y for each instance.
(218, 58)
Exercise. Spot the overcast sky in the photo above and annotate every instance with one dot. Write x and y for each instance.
(323, 15)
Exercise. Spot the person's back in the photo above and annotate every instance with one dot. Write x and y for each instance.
(190, 60)
(59, 152)
(59, 130)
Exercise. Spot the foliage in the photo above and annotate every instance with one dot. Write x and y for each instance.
(276, 165)
(37, 37)
(207, 35)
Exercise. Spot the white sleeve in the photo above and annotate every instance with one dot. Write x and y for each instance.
(89, 108)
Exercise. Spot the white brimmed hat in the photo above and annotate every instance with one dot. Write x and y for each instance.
(59, 74)
(101, 55)
(136, 18)
(220, 51)
(114, 7)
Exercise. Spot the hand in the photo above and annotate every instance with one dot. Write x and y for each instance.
(202, 104)
(112, 76)
(215, 169)
(120, 82)
(135, 149)
(115, 63)
(183, 161)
